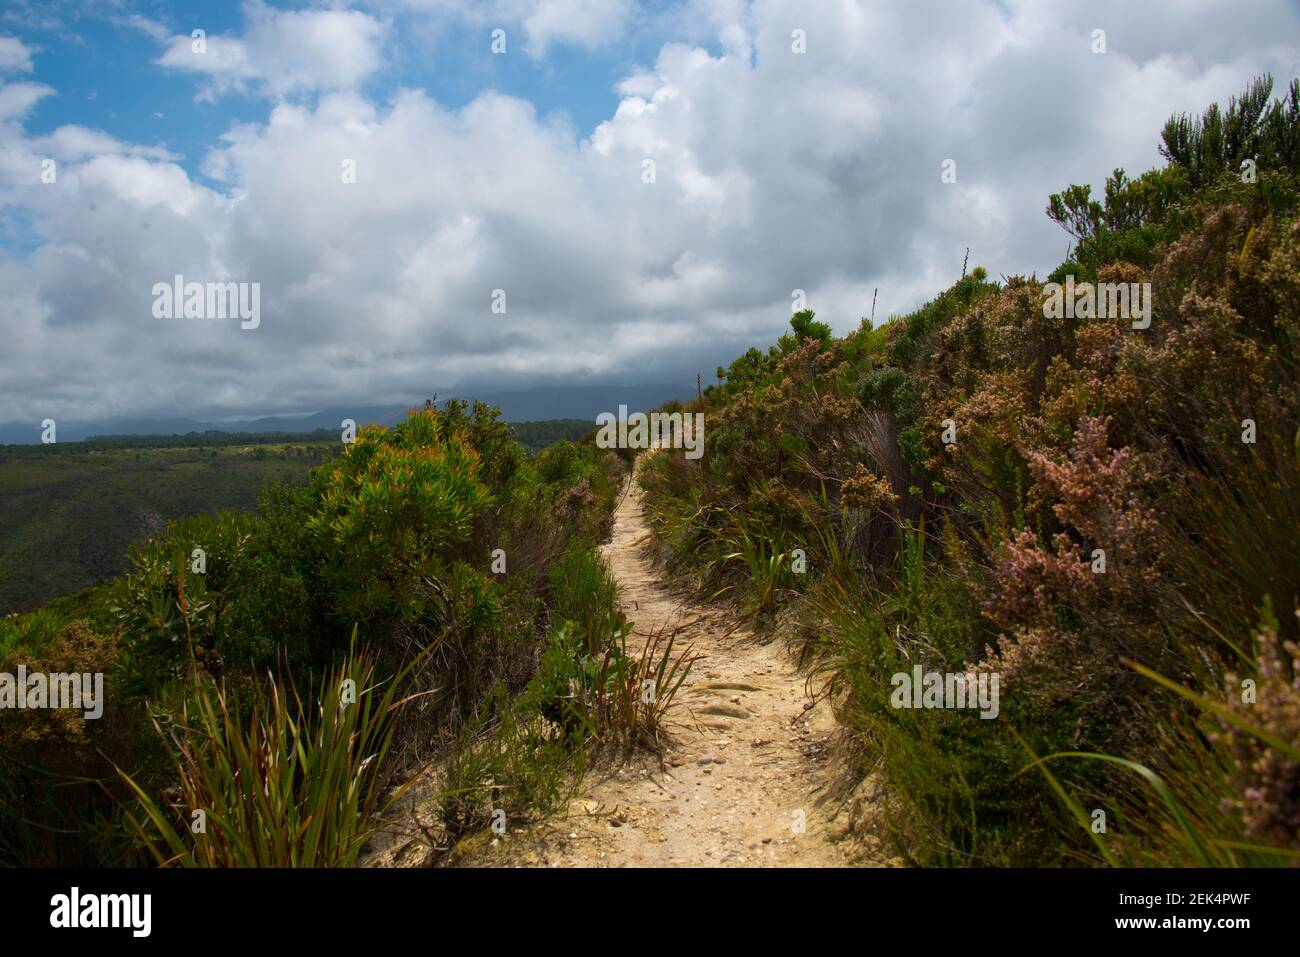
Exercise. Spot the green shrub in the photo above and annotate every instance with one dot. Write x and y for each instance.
(172, 604)
(390, 513)
(583, 591)
(29, 631)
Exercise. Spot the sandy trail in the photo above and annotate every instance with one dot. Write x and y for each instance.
(747, 781)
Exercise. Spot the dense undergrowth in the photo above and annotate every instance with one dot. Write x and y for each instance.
(1106, 517)
(432, 597)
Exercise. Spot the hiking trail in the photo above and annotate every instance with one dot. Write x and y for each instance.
(747, 779)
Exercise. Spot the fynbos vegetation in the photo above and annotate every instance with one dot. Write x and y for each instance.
(431, 598)
(1011, 577)
(1096, 506)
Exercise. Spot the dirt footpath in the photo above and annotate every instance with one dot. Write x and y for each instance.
(747, 782)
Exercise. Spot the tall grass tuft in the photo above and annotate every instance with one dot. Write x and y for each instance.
(282, 782)
(765, 563)
(623, 698)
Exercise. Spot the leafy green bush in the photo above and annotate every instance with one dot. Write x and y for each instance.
(172, 604)
(391, 512)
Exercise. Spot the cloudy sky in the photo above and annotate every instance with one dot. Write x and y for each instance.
(525, 171)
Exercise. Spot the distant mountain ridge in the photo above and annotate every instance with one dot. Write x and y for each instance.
(528, 405)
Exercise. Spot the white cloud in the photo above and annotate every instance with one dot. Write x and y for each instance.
(150, 28)
(774, 170)
(283, 52)
(15, 56)
(16, 99)
(589, 24)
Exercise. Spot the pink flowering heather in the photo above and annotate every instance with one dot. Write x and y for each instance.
(1095, 491)
(1033, 582)
(1265, 781)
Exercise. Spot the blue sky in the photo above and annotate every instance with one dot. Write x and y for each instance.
(103, 61)
(106, 76)
(783, 169)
